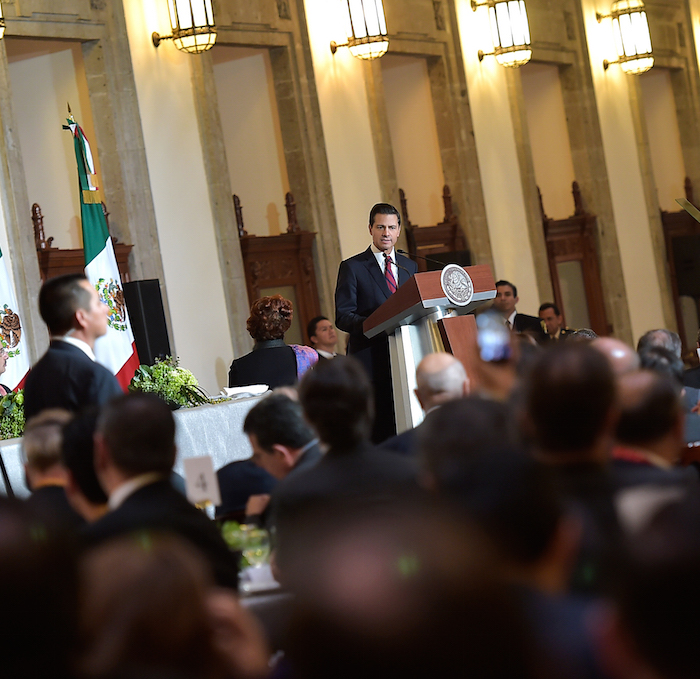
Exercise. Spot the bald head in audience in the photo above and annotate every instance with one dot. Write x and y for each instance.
(440, 378)
(622, 357)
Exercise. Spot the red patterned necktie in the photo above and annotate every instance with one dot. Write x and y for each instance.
(389, 274)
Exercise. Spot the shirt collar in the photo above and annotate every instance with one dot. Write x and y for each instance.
(83, 346)
(326, 354)
(129, 487)
(511, 319)
(379, 254)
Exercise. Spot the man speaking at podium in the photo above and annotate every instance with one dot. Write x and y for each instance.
(365, 282)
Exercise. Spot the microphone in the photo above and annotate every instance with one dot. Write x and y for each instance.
(427, 259)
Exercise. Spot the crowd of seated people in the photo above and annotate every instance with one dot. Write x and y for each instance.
(538, 523)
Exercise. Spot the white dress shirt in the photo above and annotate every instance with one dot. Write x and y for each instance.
(83, 346)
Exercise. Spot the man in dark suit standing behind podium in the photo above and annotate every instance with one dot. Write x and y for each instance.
(67, 375)
(365, 282)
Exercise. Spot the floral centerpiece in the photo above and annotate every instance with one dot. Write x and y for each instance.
(12, 415)
(175, 385)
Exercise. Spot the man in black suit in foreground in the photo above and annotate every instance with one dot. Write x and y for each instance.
(506, 299)
(67, 375)
(365, 282)
(134, 456)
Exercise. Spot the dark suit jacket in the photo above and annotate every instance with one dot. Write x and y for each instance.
(525, 323)
(50, 504)
(64, 377)
(360, 291)
(691, 378)
(272, 363)
(160, 508)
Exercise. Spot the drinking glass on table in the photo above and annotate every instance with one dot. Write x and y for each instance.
(256, 546)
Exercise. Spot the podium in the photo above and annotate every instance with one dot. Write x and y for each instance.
(419, 320)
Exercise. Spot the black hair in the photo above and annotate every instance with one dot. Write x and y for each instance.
(550, 305)
(78, 454)
(337, 400)
(139, 431)
(311, 327)
(568, 397)
(502, 282)
(59, 299)
(383, 209)
(278, 419)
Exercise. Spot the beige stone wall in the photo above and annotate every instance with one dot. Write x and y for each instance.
(167, 167)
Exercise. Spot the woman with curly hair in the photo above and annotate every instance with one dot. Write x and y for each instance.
(271, 362)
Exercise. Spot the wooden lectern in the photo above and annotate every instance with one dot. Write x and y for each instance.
(420, 319)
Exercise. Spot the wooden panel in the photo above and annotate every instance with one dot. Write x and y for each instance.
(56, 262)
(284, 260)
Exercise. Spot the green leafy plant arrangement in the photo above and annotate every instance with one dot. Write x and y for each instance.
(12, 415)
(175, 385)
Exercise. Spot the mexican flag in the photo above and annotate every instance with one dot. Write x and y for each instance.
(11, 332)
(116, 350)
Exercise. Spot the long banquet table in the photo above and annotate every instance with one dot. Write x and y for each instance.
(215, 430)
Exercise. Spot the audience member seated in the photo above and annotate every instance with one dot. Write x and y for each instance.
(283, 446)
(323, 337)
(650, 432)
(649, 632)
(44, 472)
(239, 482)
(271, 362)
(402, 592)
(337, 400)
(149, 610)
(660, 338)
(668, 363)
(134, 456)
(446, 452)
(623, 358)
(570, 416)
(38, 591)
(440, 378)
(84, 491)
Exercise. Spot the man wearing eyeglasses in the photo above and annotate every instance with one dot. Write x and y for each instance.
(365, 282)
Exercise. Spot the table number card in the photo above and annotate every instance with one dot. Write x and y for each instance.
(201, 483)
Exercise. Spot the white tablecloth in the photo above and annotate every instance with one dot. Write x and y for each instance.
(215, 430)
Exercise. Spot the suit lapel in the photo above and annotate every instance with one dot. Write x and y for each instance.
(376, 273)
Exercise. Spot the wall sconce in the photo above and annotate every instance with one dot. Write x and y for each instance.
(510, 31)
(192, 23)
(2, 23)
(366, 29)
(632, 37)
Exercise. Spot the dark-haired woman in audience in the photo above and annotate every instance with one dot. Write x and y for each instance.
(271, 362)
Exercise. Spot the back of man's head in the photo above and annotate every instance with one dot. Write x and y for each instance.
(660, 338)
(59, 299)
(278, 420)
(139, 432)
(440, 378)
(650, 408)
(454, 435)
(660, 593)
(41, 442)
(569, 399)
(337, 400)
(663, 361)
(78, 455)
